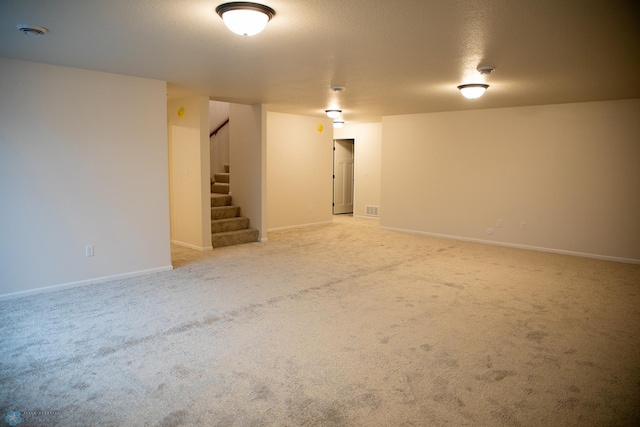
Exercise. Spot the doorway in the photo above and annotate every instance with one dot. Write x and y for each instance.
(343, 176)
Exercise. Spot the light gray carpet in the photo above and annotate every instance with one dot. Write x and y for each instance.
(343, 324)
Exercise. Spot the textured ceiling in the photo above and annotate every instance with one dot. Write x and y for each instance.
(393, 57)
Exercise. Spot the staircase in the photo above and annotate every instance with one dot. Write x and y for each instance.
(227, 226)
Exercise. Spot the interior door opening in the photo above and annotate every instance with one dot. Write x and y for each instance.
(343, 176)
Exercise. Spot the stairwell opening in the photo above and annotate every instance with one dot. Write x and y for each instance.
(228, 226)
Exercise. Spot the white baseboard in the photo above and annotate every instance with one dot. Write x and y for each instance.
(518, 246)
(96, 280)
(291, 227)
(375, 218)
(190, 246)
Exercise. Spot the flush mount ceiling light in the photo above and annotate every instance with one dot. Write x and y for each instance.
(332, 114)
(473, 90)
(32, 30)
(245, 18)
(338, 124)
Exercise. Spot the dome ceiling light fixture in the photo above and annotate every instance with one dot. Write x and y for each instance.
(32, 30)
(245, 18)
(473, 90)
(476, 90)
(333, 114)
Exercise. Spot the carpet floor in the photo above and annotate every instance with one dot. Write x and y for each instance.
(343, 324)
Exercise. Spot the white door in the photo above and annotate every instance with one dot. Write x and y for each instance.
(343, 176)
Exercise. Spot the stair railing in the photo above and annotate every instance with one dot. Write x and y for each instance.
(218, 128)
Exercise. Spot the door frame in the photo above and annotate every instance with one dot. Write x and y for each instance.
(353, 189)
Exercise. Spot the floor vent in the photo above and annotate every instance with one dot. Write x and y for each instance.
(371, 210)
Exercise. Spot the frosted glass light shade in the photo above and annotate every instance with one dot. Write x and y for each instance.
(472, 91)
(333, 114)
(338, 124)
(245, 18)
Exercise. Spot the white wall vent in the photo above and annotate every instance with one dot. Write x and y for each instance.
(371, 210)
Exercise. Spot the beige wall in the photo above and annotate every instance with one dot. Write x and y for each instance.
(247, 162)
(299, 169)
(368, 141)
(189, 170)
(571, 172)
(83, 160)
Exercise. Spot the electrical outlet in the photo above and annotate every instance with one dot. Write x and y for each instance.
(88, 250)
(309, 208)
(523, 225)
(489, 230)
(499, 223)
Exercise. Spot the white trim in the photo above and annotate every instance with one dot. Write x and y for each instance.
(63, 286)
(290, 227)
(262, 239)
(375, 218)
(190, 246)
(518, 246)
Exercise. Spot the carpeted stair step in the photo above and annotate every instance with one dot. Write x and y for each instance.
(221, 177)
(222, 212)
(220, 187)
(220, 200)
(234, 238)
(229, 224)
